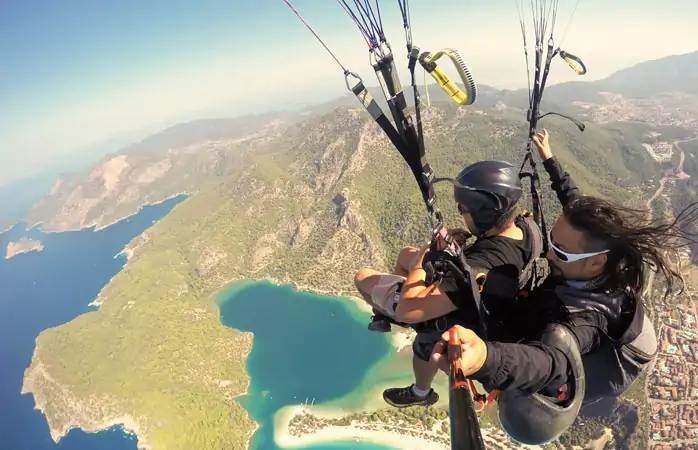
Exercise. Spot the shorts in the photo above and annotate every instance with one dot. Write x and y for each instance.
(424, 343)
(386, 293)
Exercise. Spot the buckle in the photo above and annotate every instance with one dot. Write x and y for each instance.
(437, 324)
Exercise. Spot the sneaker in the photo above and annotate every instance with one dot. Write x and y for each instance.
(404, 397)
(379, 325)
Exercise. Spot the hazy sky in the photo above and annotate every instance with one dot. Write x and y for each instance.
(74, 72)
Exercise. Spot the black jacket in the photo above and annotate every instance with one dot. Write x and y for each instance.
(615, 337)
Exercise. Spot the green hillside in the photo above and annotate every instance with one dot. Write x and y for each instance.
(310, 206)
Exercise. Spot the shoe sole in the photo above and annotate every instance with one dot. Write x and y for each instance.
(426, 402)
(379, 330)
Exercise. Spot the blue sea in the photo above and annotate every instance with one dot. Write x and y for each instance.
(305, 347)
(40, 290)
(325, 352)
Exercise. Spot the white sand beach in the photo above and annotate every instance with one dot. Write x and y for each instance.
(382, 434)
(402, 437)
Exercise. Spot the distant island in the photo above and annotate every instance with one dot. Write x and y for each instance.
(24, 245)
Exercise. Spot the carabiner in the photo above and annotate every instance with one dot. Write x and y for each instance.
(347, 74)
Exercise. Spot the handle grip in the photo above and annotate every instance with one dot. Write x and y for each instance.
(574, 62)
(462, 97)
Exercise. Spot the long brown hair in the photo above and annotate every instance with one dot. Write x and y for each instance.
(634, 240)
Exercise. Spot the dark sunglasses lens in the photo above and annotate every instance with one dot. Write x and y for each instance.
(560, 256)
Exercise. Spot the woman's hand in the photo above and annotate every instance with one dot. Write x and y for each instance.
(541, 141)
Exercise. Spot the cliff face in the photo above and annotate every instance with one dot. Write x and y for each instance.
(181, 159)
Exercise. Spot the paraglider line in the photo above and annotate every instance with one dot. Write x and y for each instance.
(316, 36)
(351, 14)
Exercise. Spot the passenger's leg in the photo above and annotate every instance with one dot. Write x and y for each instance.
(424, 370)
(405, 260)
(379, 321)
(420, 393)
(379, 290)
(365, 281)
(403, 265)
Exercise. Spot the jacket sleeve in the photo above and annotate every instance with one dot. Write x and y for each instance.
(533, 366)
(561, 181)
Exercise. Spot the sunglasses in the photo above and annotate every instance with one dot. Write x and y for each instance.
(570, 257)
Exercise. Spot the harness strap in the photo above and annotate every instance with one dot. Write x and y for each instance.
(412, 151)
(528, 274)
(406, 142)
(378, 115)
(407, 139)
(538, 215)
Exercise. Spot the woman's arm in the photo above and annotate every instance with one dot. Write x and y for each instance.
(529, 366)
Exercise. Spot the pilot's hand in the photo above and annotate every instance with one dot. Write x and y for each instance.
(472, 351)
(441, 243)
(542, 142)
(459, 235)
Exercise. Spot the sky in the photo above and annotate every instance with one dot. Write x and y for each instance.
(75, 73)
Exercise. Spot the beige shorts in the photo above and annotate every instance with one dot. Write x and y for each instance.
(386, 293)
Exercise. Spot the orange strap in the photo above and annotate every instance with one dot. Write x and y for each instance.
(482, 399)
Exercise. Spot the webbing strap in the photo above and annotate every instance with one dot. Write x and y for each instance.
(538, 215)
(405, 138)
(378, 115)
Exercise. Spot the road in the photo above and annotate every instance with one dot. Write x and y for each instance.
(658, 192)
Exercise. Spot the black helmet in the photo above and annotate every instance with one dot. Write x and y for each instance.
(536, 419)
(488, 190)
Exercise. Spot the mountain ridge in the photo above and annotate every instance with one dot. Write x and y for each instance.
(570, 97)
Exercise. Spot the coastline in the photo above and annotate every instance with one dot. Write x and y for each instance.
(36, 374)
(232, 284)
(100, 422)
(126, 422)
(131, 248)
(383, 434)
(249, 439)
(130, 425)
(23, 245)
(99, 299)
(96, 225)
(396, 435)
(10, 226)
(229, 288)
